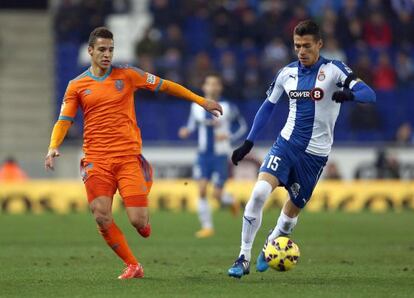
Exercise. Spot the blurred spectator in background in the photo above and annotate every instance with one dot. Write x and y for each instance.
(331, 50)
(363, 68)
(150, 44)
(377, 32)
(387, 166)
(225, 29)
(404, 10)
(385, 78)
(197, 29)
(276, 54)
(171, 64)
(252, 79)
(229, 71)
(351, 33)
(163, 12)
(404, 67)
(10, 171)
(332, 172)
(249, 25)
(299, 14)
(275, 15)
(328, 23)
(197, 70)
(404, 135)
(174, 38)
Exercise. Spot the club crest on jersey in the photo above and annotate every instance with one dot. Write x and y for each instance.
(150, 78)
(321, 76)
(119, 85)
(315, 94)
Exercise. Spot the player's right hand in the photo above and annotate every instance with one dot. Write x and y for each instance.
(213, 107)
(183, 133)
(49, 159)
(241, 152)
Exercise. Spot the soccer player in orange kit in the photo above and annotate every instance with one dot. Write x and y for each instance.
(112, 140)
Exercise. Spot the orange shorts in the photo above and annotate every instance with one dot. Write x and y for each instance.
(131, 175)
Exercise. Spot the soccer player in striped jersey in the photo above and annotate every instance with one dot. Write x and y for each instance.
(316, 88)
(214, 147)
(112, 141)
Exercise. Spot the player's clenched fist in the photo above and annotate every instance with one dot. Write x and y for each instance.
(241, 152)
(213, 107)
(49, 159)
(342, 96)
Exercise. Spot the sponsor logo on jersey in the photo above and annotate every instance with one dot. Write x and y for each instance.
(315, 94)
(87, 91)
(119, 85)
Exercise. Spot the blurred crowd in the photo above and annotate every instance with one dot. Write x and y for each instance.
(247, 41)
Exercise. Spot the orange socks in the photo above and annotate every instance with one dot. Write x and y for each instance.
(116, 240)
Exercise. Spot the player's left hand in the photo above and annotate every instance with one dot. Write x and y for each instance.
(343, 95)
(213, 107)
(49, 159)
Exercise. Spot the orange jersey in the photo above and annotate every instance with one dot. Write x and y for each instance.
(110, 125)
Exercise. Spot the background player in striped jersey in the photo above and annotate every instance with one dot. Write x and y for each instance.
(214, 147)
(316, 88)
(112, 140)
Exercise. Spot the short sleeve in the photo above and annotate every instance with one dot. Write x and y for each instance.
(70, 104)
(276, 88)
(345, 75)
(144, 80)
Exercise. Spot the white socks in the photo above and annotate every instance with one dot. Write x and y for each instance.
(252, 217)
(284, 226)
(204, 214)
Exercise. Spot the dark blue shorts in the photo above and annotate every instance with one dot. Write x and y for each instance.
(297, 170)
(212, 167)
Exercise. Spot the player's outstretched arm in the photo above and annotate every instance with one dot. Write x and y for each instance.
(360, 92)
(58, 135)
(260, 120)
(177, 90)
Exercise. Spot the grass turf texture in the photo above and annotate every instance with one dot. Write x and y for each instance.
(342, 255)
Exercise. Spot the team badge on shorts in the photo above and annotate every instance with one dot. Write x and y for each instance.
(119, 85)
(84, 167)
(295, 188)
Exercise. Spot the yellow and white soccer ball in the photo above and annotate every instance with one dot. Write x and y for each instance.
(282, 254)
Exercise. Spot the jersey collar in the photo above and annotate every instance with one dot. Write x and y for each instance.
(89, 73)
(313, 67)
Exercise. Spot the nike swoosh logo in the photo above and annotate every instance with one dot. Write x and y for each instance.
(292, 76)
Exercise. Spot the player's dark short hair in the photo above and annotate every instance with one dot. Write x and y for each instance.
(213, 74)
(308, 27)
(100, 32)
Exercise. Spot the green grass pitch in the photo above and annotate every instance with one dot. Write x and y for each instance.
(342, 255)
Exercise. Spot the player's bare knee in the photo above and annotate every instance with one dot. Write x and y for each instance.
(103, 219)
(139, 222)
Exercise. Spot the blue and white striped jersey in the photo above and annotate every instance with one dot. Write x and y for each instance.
(312, 113)
(210, 128)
